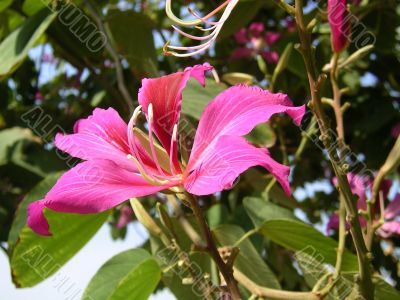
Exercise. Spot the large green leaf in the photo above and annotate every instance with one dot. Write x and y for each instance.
(9, 137)
(15, 47)
(279, 225)
(195, 97)
(132, 34)
(132, 274)
(38, 192)
(4, 4)
(35, 258)
(248, 261)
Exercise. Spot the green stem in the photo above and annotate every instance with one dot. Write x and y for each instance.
(342, 238)
(364, 280)
(226, 272)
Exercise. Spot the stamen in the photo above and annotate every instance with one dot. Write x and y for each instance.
(174, 140)
(216, 28)
(149, 179)
(153, 150)
(215, 75)
(193, 37)
(132, 142)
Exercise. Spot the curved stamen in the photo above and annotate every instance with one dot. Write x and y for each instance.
(149, 179)
(203, 19)
(153, 150)
(132, 142)
(205, 29)
(174, 140)
(193, 37)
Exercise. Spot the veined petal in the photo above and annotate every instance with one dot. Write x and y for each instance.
(235, 112)
(231, 156)
(90, 187)
(103, 135)
(165, 94)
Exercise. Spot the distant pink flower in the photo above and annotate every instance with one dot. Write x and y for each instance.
(359, 186)
(255, 40)
(119, 164)
(339, 23)
(395, 132)
(392, 221)
(39, 96)
(290, 24)
(126, 215)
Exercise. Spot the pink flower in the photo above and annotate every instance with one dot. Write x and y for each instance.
(256, 41)
(392, 223)
(120, 163)
(339, 23)
(256, 29)
(271, 38)
(395, 132)
(359, 186)
(241, 36)
(126, 215)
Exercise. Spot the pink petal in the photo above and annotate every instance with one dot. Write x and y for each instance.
(226, 160)
(272, 57)
(90, 187)
(395, 132)
(393, 209)
(103, 135)
(236, 111)
(241, 36)
(271, 38)
(36, 218)
(256, 29)
(126, 215)
(242, 52)
(165, 93)
(389, 228)
(333, 223)
(339, 23)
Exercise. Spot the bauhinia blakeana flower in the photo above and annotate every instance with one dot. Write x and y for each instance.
(203, 24)
(339, 21)
(254, 41)
(121, 161)
(359, 186)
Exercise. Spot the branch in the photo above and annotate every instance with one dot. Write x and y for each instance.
(269, 293)
(225, 270)
(364, 280)
(120, 74)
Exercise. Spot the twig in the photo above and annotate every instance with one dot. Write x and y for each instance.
(120, 74)
(269, 293)
(364, 280)
(226, 272)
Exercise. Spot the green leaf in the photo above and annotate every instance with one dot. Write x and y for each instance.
(35, 258)
(280, 226)
(9, 137)
(133, 36)
(283, 62)
(15, 47)
(384, 291)
(4, 4)
(248, 260)
(195, 97)
(38, 192)
(132, 274)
